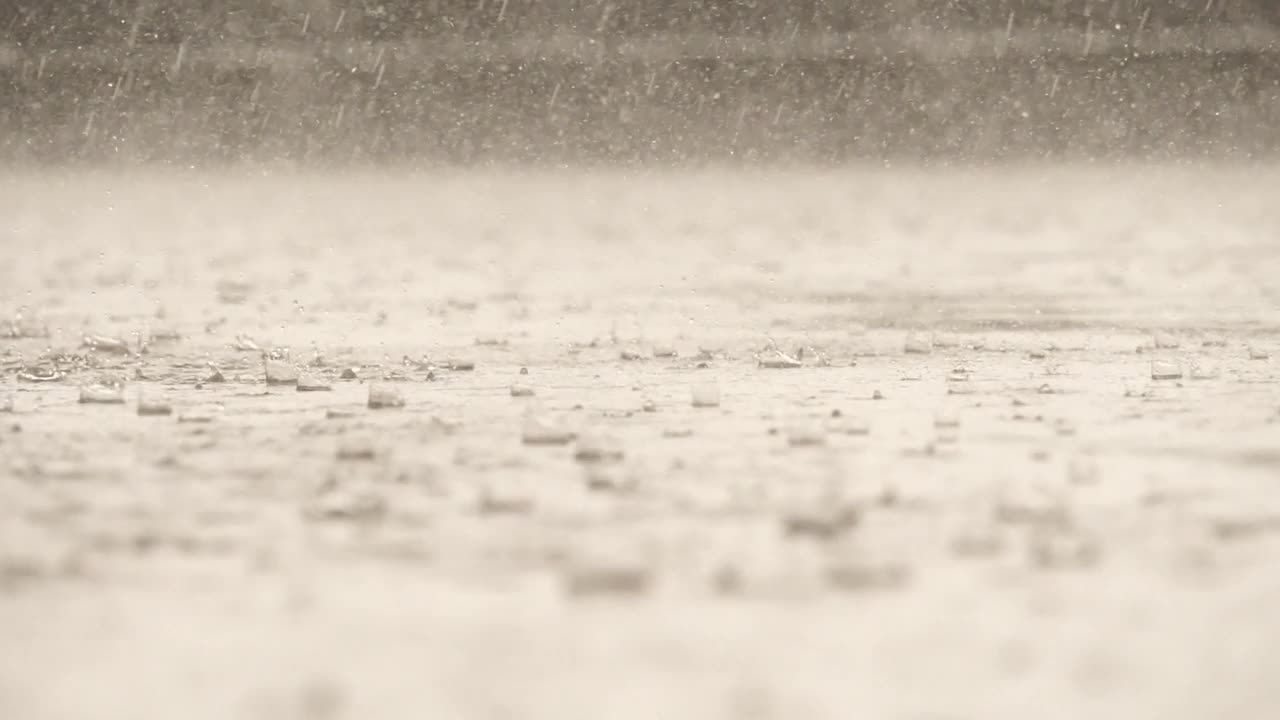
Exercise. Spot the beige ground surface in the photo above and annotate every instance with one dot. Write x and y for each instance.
(1056, 536)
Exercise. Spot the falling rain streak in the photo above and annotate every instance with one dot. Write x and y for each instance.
(489, 82)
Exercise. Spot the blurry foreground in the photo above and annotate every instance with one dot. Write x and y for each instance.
(821, 445)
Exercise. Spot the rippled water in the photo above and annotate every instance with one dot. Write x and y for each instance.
(972, 498)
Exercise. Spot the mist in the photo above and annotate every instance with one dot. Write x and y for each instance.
(327, 82)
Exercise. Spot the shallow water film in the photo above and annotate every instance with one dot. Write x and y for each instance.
(685, 444)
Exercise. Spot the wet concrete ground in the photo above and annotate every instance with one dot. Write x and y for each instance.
(1026, 466)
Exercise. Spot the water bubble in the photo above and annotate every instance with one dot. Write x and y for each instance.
(103, 393)
(149, 406)
(805, 436)
(106, 344)
(1060, 550)
(504, 500)
(541, 430)
(335, 502)
(312, 383)
(356, 449)
(607, 576)
(244, 343)
(849, 576)
(946, 340)
(279, 372)
(1204, 370)
(598, 448)
(776, 359)
(1165, 370)
(384, 396)
(40, 374)
(824, 522)
(917, 343)
(977, 543)
(233, 292)
(850, 426)
(946, 419)
(705, 395)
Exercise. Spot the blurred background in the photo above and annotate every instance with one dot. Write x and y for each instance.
(343, 82)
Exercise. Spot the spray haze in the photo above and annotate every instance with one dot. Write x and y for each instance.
(591, 81)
